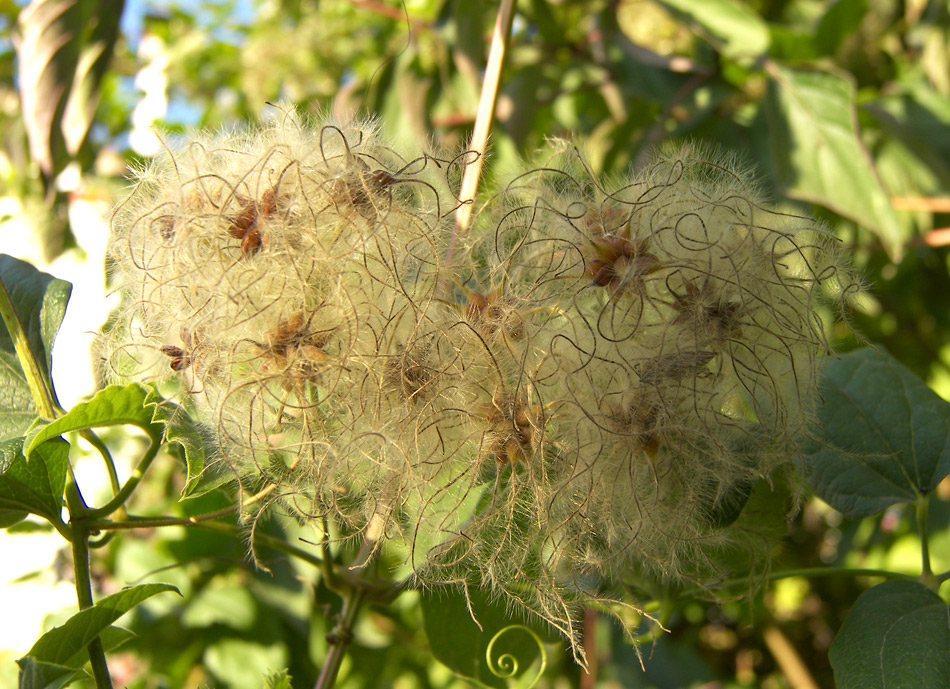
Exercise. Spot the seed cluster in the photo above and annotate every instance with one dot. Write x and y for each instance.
(587, 392)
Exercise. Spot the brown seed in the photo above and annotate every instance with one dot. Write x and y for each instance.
(179, 359)
(251, 243)
(244, 220)
(172, 351)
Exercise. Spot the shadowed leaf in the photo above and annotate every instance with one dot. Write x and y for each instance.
(884, 437)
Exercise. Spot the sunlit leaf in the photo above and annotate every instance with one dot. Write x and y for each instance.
(233, 606)
(39, 302)
(63, 52)
(738, 30)
(818, 153)
(278, 680)
(116, 405)
(64, 644)
(241, 663)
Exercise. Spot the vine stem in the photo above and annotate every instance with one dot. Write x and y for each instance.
(119, 499)
(80, 547)
(340, 637)
(926, 572)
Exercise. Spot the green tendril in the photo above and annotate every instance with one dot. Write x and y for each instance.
(506, 666)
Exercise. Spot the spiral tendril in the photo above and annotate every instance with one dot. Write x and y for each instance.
(506, 666)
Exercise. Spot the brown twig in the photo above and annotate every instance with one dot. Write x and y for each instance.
(589, 676)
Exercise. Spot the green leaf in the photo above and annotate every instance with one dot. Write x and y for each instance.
(278, 680)
(818, 153)
(193, 439)
(457, 642)
(839, 22)
(896, 635)
(30, 527)
(440, 517)
(10, 518)
(919, 116)
(884, 437)
(35, 486)
(35, 674)
(116, 405)
(42, 675)
(62, 645)
(63, 52)
(39, 304)
(111, 638)
(736, 30)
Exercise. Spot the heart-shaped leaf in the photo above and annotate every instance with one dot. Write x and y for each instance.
(818, 153)
(884, 436)
(896, 635)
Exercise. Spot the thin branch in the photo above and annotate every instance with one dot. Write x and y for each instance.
(483, 120)
(788, 659)
(928, 204)
(119, 499)
(90, 437)
(389, 11)
(589, 676)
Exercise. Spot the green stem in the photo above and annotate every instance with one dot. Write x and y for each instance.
(203, 521)
(119, 499)
(80, 546)
(922, 506)
(138, 522)
(266, 540)
(340, 637)
(330, 577)
(134, 522)
(90, 437)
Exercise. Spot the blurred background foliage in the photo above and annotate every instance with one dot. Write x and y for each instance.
(842, 108)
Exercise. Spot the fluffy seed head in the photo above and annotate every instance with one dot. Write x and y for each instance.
(608, 374)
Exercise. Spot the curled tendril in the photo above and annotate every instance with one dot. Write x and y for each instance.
(506, 666)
